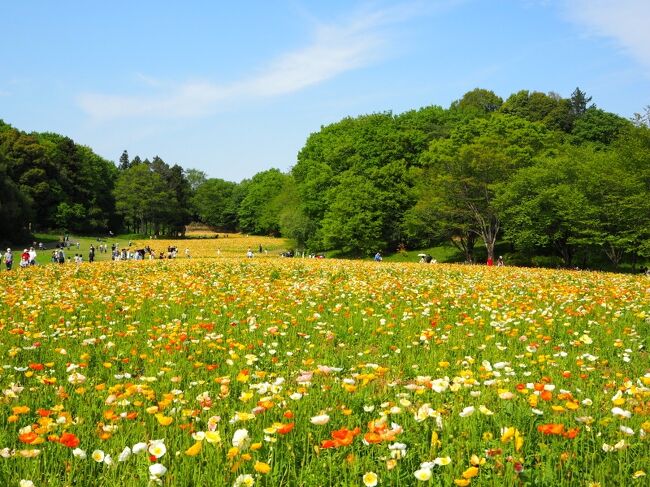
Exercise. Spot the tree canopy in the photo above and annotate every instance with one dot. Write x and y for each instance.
(548, 176)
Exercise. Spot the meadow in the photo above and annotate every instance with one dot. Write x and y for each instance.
(203, 372)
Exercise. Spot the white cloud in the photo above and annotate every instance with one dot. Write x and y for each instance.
(335, 49)
(624, 21)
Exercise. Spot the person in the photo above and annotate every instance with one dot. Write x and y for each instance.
(187, 253)
(9, 259)
(24, 258)
(490, 262)
(260, 248)
(249, 253)
(60, 256)
(32, 256)
(500, 261)
(91, 253)
(378, 257)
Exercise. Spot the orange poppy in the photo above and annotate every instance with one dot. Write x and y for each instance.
(70, 440)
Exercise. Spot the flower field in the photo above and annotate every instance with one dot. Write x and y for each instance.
(227, 245)
(197, 372)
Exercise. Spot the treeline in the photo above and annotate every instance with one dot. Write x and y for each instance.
(48, 181)
(557, 180)
(550, 179)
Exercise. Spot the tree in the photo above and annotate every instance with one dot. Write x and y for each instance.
(478, 101)
(195, 178)
(15, 215)
(545, 206)
(478, 155)
(124, 163)
(435, 219)
(598, 126)
(145, 201)
(353, 221)
(257, 214)
(550, 109)
(213, 202)
(579, 102)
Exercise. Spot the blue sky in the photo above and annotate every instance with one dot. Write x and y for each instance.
(233, 88)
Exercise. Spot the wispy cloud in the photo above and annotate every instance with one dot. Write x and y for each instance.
(334, 50)
(624, 21)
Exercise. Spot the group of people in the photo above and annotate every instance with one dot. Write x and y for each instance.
(27, 258)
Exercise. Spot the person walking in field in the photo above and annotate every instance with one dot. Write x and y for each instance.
(9, 259)
(32, 256)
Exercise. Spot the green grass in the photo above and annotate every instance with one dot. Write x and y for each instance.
(50, 240)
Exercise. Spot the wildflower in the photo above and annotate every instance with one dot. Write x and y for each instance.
(616, 411)
(157, 448)
(139, 448)
(69, 440)
(320, 419)
(423, 474)
(370, 479)
(212, 437)
(551, 429)
(638, 474)
(285, 428)
(442, 461)
(484, 410)
(244, 480)
(341, 437)
(468, 411)
(261, 467)
(126, 453)
(98, 456)
(157, 470)
(194, 450)
(397, 450)
(241, 439)
(471, 472)
(79, 453)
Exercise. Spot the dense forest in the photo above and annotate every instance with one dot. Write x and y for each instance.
(555, 180)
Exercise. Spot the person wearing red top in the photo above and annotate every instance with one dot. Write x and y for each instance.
(24, 258)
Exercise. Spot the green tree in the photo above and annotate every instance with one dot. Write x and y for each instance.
(478, 101)
(195, 178)
(257, 214)
(214, 204)
(15, 215)
(353, 222)
(546, 206)
(598, 126)
(579, 102)
(476, 157)
(145, 201)
(124, 163)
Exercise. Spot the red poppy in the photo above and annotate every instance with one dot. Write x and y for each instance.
(70, 440)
